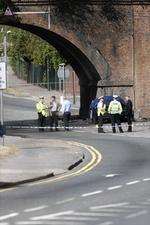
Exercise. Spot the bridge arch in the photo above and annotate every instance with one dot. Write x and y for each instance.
(85, 70)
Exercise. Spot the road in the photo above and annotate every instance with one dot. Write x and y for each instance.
(16, 108)
(116, 191)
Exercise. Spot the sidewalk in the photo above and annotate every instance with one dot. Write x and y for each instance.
(37, 158)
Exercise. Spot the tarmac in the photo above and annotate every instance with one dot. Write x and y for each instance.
(36, 159)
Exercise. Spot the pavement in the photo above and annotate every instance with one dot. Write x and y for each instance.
(37, 159)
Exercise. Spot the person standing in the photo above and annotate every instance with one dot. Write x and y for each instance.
(115, 110)
(101, 107)
(54, 110)
(93, 109)
(42, 111)
(66, 111)
(129, 112)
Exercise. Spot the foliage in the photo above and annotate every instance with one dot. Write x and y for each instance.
(2, 5)
(76, 13)
(33, 49)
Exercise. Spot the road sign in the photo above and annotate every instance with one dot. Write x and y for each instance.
(8, 12)
(63, 72)
(2, 75)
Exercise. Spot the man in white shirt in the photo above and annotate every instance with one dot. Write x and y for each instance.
(66, 111)
(54, 109)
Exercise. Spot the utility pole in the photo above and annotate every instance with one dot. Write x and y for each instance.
(3, 80)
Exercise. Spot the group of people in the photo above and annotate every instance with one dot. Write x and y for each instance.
(115, 110)
(52, 111)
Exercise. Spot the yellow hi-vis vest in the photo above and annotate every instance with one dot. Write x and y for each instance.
(101, 110)
(42, 108)
(115, 107)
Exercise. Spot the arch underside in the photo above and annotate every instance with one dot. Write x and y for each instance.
(85, 70)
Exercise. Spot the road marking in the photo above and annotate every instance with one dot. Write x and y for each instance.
(123, 204)
(111, 175)
(92, 193)
(96, 159)
(47, 222)
(35, 209)
(74, 218)
(8, 216)
(52, 216)
(133, 206)
(113, 188)
(107, 223)
(4, 223)
(95, 214)
(134, 215)
(113, 210)
(133, 182)
(29, 223)
(146, 179)
(65, 201)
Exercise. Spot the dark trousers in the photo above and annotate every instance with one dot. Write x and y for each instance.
(94, 116)
(66, 119)
(41, 121)
(115, 119)
(54, 120)
(100, 124)
(129, 121)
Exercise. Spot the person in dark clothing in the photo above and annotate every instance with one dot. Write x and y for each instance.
(129, 112)
(93, 108)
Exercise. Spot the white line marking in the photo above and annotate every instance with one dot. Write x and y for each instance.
(74, 218)
(109, 206)
(95, 214)
(111, 210)
(115, 187)
(136, 214)
(52, 216)
(4, 223)
(92, 193)
(8, 216)
(133, 182)
(133, 206)
(65, 201)
(35, 209)
(146, 179)
(47, 222)
(111, 175)
(107, 223)
(29, 222)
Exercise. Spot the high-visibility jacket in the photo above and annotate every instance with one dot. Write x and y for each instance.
(115, 107)
(42, 108)
(101, 109)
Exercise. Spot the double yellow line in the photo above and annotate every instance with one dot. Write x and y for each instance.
(96, 158)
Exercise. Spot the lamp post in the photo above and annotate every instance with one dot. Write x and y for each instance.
(62, 65)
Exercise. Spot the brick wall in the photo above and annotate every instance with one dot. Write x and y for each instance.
(119, 50)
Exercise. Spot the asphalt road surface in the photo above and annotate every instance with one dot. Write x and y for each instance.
(16, 108)
(116, 191)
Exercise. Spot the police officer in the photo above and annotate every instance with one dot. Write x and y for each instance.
(115, 110)
(42, 111)
(129, 112)
(101, 107)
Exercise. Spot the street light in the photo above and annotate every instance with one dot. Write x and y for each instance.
(62, 65)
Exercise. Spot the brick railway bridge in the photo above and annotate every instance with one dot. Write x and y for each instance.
(106, 42)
